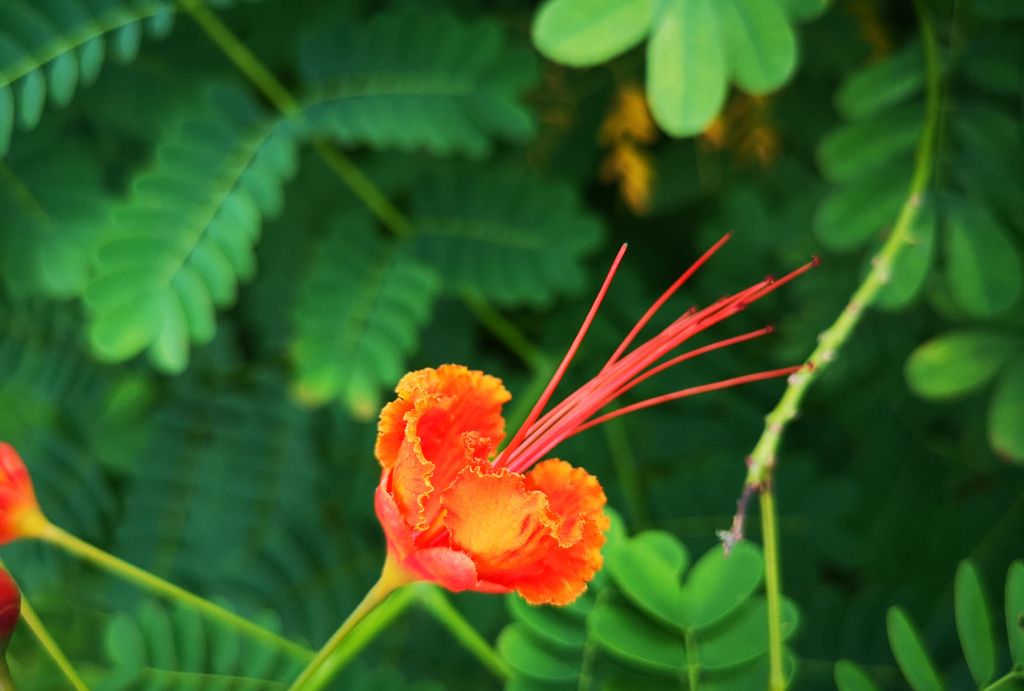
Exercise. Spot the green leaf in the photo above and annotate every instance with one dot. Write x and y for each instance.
(882, 85)
(864, 147)
(589, 32)
(65, 41)
(851, 214)
(910, 653)
(630, 638)
(686, 67)
(1006, 412)
(804, 10)
(533, 658)
(760, 43)
(359, 313)
(1015, 611)
(387, 85)
(161, 646)
(648, 568)
(56, 205)
(717, 584)
(185, 237)
(548, 623)
(850, 677)
(984, 268)
(743, 636)
(974, 623)
(503, 233)
(911, 266)
(957, 363)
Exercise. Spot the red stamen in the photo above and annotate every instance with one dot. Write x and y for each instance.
(692, 391)
(541, 433)
(664, 298)
(550, 389)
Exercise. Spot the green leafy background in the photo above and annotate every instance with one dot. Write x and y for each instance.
(199, 320)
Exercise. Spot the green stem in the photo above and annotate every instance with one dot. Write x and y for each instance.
(321, 668)
(154, 584)
(1009, 681)
(692, 661)
(510, 335)
(762, 459)
(773, 590)
(375, 622)
(6, 683)
(35, 625)
(438, 605)
(626, 470)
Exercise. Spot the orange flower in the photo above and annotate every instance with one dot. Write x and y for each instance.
(10, 608)
(460, 514)
(20, 515)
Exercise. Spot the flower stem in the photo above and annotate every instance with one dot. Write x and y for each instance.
(762, 459)
(6, 684)
(31, 619)
(438, 605)
(154, 584)
(321, 668)
(773, 590)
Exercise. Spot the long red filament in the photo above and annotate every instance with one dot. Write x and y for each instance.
(539, 434)
(546, 396)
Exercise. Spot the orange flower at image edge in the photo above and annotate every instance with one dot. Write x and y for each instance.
(457, 512)
(20, 515)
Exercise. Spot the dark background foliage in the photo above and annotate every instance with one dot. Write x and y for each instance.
(200, 321)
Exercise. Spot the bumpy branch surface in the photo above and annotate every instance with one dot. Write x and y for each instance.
(762, 459)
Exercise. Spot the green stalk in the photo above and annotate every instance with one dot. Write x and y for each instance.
(773, 591)
(762, 459)
(321, 668)
(438, 604)
(154, 584)
(35, 625)
(1009, 682)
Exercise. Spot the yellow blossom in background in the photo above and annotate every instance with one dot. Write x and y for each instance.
(626, 129)
(872, 28)
(744, 128)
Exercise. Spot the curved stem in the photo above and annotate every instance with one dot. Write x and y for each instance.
(6, 683)
(154, 584)
(35, 625)
(773, 590)
(762, 459)
(442, 609)
(320, 670)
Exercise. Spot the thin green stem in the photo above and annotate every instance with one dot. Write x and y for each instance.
(626, 470)
(692, 661)
(762, 459)
(441, 608)
(372, 626)
(1011, 680)
(35, 625)
(509, 334)
(773, 590)
(322, 668)
(154, 584)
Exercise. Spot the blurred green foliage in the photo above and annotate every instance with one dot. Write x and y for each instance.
(201, 314)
